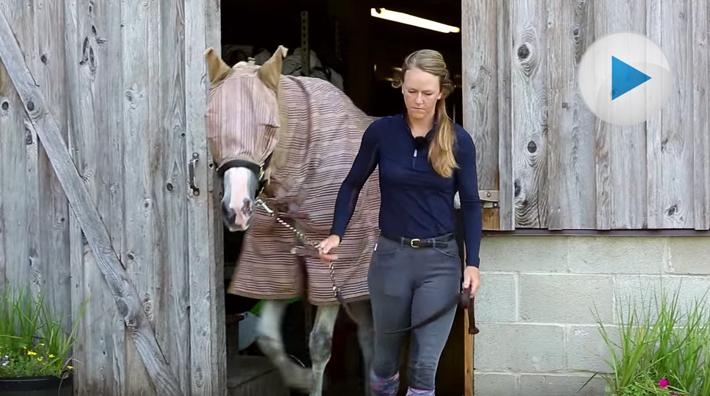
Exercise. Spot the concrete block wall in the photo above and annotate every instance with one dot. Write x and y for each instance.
(539, 334)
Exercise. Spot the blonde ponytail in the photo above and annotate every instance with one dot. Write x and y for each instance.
(441, 149)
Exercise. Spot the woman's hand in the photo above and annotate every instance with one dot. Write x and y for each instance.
(471, 277)
(326, 245)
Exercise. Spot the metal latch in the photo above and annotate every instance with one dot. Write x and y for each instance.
(489, 198)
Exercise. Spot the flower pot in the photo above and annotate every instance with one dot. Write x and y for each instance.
(36, 386)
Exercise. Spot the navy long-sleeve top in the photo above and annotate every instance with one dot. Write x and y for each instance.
(416, 202)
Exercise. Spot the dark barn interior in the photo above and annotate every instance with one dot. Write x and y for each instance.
(363, 51)
(347, 39)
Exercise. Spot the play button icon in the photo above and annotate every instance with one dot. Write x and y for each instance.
(624, 78)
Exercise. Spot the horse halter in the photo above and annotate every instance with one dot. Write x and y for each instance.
(259, 171)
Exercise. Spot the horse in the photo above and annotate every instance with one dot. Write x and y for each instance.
(283, 145)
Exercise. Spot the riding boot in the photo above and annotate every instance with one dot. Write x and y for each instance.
(384, 386)
(420, 392)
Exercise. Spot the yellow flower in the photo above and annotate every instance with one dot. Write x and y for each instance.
(70, 367)
(51, 356)
(31, 353)
(39, 359)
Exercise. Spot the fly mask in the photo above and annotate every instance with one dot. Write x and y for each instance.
(242, 129)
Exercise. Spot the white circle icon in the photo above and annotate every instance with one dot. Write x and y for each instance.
(624, 78)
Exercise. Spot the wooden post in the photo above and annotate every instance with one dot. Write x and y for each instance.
(468, 356)
(468, 350)
(120, 285)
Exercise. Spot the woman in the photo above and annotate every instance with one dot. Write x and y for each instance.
(424, 159)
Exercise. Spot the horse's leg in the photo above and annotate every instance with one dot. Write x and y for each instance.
(320, 343)
(362, 311)
(271, 344)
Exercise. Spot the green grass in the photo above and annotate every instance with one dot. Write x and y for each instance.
(657, 340)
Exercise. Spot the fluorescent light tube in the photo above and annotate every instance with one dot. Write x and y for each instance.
(412, 20)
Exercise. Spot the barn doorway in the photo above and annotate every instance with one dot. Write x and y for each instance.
(358, 53)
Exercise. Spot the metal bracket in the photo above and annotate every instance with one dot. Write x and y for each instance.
(489, 198)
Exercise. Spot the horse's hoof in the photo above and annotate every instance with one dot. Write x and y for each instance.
(300, 379)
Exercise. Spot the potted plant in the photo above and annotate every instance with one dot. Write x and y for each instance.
(35, 350)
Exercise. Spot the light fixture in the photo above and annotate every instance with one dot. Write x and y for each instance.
(412, 20)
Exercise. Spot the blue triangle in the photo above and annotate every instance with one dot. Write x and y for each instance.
(624, 77)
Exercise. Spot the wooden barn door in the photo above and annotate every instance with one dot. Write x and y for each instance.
(101, 112)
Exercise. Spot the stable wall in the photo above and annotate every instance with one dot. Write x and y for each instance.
(535, 306)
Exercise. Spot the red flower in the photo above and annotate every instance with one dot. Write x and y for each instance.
(663, 383)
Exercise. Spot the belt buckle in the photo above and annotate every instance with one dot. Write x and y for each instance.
(415, 243)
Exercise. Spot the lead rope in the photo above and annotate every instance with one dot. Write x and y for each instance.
(301, 236)
(464, 299)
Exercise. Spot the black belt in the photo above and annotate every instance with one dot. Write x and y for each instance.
(441, 241)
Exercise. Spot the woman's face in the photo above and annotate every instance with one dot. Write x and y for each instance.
(421, 90)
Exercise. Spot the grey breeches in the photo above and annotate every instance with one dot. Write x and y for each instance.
(406, 286)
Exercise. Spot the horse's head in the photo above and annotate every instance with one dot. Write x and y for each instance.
(242, 124)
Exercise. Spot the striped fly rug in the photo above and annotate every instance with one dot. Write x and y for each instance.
(312, 132)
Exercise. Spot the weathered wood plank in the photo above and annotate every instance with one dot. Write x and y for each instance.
(570, 139)
(619, 151)
(53, 266)
(36, 179)
(505, 130)
(23, 218)
(35, 206)
(93, 71)
(13, 250)
(529, 108)
(141, 107)
(117, 280)
(207, 339)
(172, 294)
(215, 227)
(701, 111)
(103, 343)
(480, 85)
(670, 133)
(19, 200)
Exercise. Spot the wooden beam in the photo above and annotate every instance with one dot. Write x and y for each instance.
(486, 118)
(529, 118)
(123, 290)
(208, 354)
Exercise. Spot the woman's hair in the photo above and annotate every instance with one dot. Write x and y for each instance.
(441, 148)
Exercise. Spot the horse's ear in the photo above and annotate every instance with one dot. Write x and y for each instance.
(217, 70)
(270, 72)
